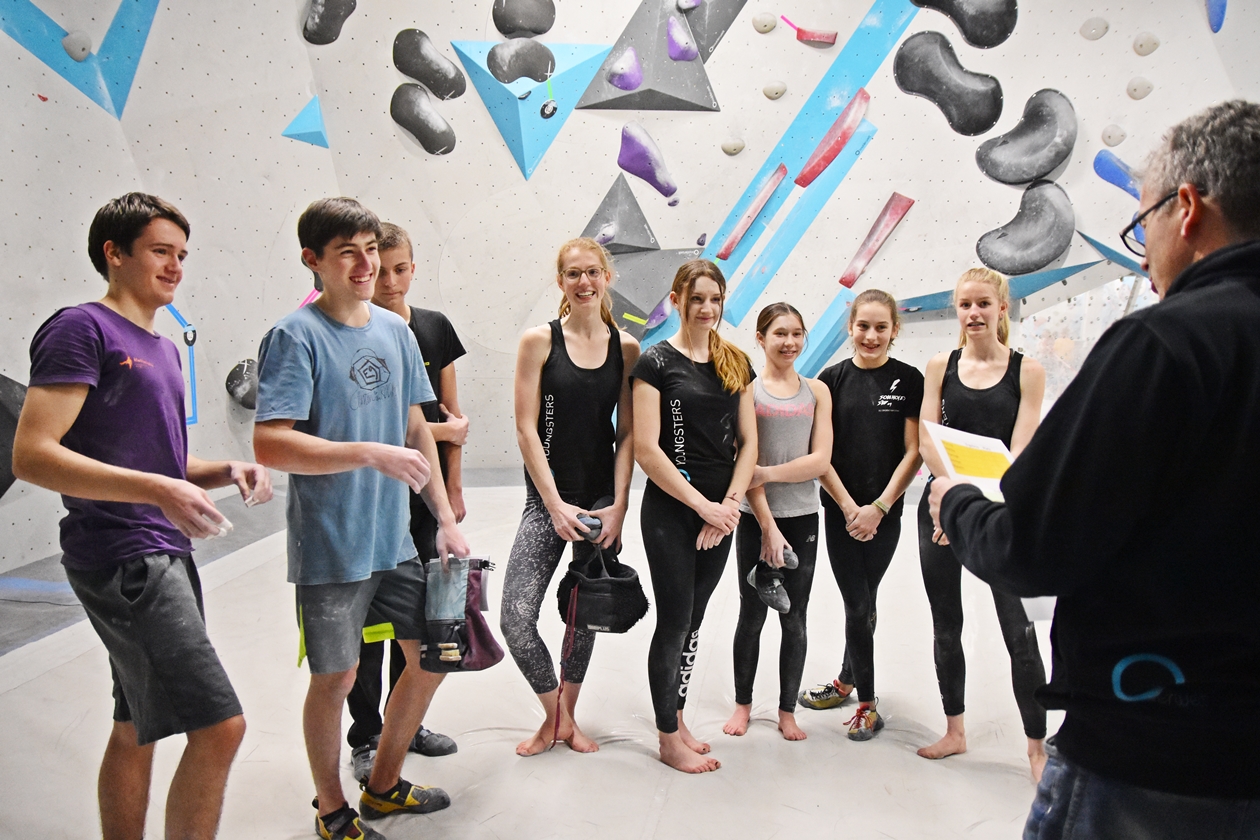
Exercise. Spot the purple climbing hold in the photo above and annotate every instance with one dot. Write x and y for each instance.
(682, 47)
(626, 72)
(673, 202)
(688, 5)
(606, 234)
(701, 239)
(324, 20)
(640, 157)
(659, 314)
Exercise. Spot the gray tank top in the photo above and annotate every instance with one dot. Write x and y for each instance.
(784, 427)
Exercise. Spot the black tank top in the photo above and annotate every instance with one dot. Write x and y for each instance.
(575, 420)
(982, 411)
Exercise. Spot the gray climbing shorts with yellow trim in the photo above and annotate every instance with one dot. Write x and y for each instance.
(333, 618)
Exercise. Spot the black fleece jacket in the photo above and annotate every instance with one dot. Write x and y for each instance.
(1137, 502)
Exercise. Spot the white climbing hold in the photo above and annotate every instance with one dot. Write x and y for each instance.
(1094, 28)
(77, 45)
(1140, 88)
(1145, 44)
(1113, 135)
(733, 146)
(774, 90)
(764, 22)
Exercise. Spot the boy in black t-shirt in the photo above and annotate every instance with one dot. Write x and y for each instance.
(440, 347)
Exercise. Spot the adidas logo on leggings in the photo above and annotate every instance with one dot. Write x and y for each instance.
(688, 662)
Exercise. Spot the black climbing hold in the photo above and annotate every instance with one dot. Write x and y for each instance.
(12, 395)
(548, 109)
(510, 60)
(523, 18)
(1041, 141)
(416, 56)
(242, 383)
(1040, 232)
(324, 19)
(412, 109)
(190, 336)
(926, 66)
(983, 23)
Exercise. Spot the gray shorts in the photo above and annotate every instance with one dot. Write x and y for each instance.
(149, 614)
(334, 618)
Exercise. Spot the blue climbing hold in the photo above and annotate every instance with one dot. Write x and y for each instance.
(1216, 14)
(308, 125)
(1114, 171)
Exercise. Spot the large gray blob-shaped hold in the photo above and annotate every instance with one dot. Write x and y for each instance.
(12, 395)
(324, 19)
(511, 60)
(417, 56)
(242, 384)
(1041, 140)
(413, 110)
(927, 66)
(983, 23)
(1040, 231)
(523, 18)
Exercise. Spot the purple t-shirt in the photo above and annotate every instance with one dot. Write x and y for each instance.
(133, 417)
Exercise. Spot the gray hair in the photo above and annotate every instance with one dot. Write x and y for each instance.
(1217, 150)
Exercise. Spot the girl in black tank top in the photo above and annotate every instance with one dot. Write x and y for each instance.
(571, 375)
(984, 388)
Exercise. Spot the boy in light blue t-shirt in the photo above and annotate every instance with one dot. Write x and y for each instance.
(340, 384)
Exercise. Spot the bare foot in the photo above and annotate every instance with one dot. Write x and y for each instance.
(678, 755)
(538, 742)
(577, 740)
(787, 725)
(1037, 758)
(952, 744)
(698, 747)
(738, 724)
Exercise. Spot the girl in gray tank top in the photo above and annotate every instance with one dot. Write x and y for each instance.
(776, 546)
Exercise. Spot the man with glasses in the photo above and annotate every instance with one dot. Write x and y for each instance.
(1137, 503)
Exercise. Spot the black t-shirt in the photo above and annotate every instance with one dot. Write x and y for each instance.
(575, 420)
(698, 416)
(439, 345)
(869, 410)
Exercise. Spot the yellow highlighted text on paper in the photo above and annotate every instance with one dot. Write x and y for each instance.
(977, 463)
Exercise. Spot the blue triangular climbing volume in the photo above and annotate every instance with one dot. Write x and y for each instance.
(308, 125)
(516, 108)
(105, 76)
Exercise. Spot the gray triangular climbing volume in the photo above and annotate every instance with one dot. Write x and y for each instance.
(709, 22)
(668, 84)
(643, 278)
(620, 217)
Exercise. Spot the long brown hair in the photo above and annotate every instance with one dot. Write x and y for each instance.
(1003, 291)
(732, 364)
(585, 243)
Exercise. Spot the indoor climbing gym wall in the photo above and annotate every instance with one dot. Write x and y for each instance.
(812, 148)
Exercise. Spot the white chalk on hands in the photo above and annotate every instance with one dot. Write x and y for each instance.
(225, 527)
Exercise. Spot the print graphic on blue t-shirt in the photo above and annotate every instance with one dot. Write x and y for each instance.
(368, 370)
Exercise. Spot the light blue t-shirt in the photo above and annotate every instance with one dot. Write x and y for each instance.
(351, 384)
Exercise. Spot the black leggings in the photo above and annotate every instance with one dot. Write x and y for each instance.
(801, 532)
(682, 581)
(859, 568)
(942, 578)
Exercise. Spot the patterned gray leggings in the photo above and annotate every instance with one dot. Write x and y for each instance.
(532, 564)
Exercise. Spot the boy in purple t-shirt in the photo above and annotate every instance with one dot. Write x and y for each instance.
(103, 424)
